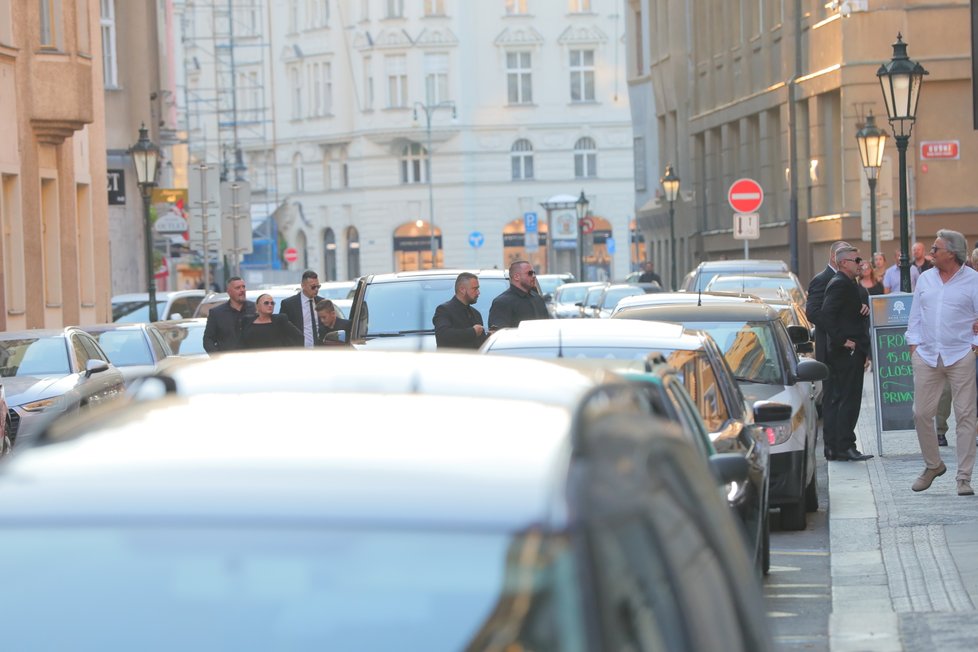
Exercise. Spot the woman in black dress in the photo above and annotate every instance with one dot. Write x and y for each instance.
(269, 331)
(868, 280)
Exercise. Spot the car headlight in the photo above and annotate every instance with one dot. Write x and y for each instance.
(777, 434)
(43, 404)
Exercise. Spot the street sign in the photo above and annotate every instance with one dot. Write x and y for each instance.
(205, 207)
(745, 196)
(949, 150)
(236, 232)
(610, 244)
(747, 226)
(171, 222)
(530, 222)
(587, 225)
(117, 187)
(476, 239)
(291, 255)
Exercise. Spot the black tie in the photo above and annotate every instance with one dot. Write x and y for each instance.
(312, 315)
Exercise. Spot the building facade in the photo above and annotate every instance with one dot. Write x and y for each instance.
(776, 91)
(52, 166)
(395, 128)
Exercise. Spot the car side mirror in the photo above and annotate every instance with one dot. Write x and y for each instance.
(548, 298)
(805, 347)
(799, 334)
(729, 468)
(811, 370)
(94, 366)
(176, 315)
(769, 411)
(579, 304)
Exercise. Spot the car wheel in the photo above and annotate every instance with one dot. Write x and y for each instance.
(5, 446)
(793, 515)
(766, 546)
(811, 494)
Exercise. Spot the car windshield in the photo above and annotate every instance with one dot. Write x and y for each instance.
(334, 292)
(749, 348)
(612, 297)
(570, 294)
(34, 356)
(593, 294)
(278, 588)
(549, 284)
(125, 348)
(132, 312)
(408, 306)
(765, 287)
(184, 339)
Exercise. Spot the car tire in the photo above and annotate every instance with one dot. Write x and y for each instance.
(766, 546)
(793, 515)
(811, 495)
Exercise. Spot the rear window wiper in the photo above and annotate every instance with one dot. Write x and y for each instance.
(426, 331)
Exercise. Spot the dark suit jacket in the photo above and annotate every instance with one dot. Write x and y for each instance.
(339, 325)
(453, 323)
(813, 309)
(292, 308)
(841, 314)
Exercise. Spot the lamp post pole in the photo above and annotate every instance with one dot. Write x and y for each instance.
(581, 206)
(145, 157)
(429, 110)
(670, 185)
(900, 79)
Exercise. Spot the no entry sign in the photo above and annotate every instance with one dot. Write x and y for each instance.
(291, 255)
(745, 196)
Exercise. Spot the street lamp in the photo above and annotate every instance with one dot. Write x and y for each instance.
(581, 204)
(871, 141)
(900, 79)
(670, 184)
(146, 159)
(429, 110)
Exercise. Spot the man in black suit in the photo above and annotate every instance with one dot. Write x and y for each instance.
(330, 322)
(301, 308)
(813, 310)
(457, 324)
(847, 345)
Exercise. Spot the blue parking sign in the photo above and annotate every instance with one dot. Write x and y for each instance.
(530, 222)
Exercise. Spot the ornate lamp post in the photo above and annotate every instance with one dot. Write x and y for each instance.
(429, 110)
(146, 159)
(900, 79)
(581, 205)
(670, 185)
(871, 141)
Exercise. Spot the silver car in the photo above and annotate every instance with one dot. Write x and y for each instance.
(136, 349)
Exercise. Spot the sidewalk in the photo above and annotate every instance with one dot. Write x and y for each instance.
(904, 564)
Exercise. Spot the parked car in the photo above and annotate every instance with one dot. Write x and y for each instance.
(612, 294)
(337, 290)
(769, 286)
(761, 353)
(567, 299)
(394, 311)
(705, 375)
(562, 533)
(5, 444)
(134, 349)
(682, 298)
(590, 304)
(50, 371)
(132, 308)
(698, 279)
(549, 283)
(184, 337)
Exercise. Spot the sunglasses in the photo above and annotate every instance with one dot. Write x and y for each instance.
(531, 273)
(858, 261)
(315, 287)
(268, 303)
(934, 250)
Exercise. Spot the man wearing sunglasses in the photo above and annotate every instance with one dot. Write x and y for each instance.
(301, 308)
(520, 301)
(847, 347)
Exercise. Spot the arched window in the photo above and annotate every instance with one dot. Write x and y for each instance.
(352, 253)
(302, 245)
(414, 164)
(521, 158)
(585, 158)
(329, 253)
(298, 174)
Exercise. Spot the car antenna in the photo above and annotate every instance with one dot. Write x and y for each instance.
(560, 343)
(699, 297)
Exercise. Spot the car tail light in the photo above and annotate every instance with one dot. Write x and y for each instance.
(777, 434)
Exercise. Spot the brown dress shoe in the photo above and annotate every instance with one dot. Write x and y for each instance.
(964, 488)
(926, 478)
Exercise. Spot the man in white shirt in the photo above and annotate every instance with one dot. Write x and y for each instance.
(891, 277)
(942, 348)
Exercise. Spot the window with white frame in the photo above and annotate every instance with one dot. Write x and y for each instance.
(295, 89)
(293, 16)
(364, 9)
(585, 158)
(582, 75)
(317, 13)
(110, 69)
(638, 147)
(516, 7)
(368, 84)
(50, 14)
(82, 27)
(521, 158)
(6, 23)
(395, 9)
(315, 89)
(434, 7)
(579, 6)
(519, 77)
(414, 164)
(298, 174)
(397, 81)
(435, 78)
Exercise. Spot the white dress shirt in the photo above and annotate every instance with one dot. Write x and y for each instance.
(942, 314)
(308, 321)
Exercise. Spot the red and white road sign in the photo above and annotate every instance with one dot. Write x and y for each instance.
(940, 149)
(745, 196)
(587, 225)
(291, 255)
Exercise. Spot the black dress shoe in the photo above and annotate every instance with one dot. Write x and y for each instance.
(829, 454)
(852, 455)
(941, 440)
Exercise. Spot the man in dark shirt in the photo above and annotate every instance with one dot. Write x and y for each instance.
(226, 321)
(648, 274)
(330, 322)
(520, 301)
(457, 324)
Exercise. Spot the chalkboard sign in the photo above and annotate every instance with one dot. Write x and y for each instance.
(894, 378)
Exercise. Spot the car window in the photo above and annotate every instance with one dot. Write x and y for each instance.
(184, 306)
(134, 312)
(79, 356)
(692, 419)
(749, 347)
(703, 387)
(125, 348)
(592, 296)
(92, 349)
(612, 297)
(408, 306)
(572, 294)
(160, 348)
(34, 357)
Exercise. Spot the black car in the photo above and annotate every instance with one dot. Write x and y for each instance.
(590, 526)
(699, 278)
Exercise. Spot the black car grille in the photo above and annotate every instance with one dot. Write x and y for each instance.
(14, 423)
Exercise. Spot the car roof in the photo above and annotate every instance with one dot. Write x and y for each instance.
(436, 274)
(672, 298)
(337, 457)
(725, 311)
(160, 295)
(745, 266)
(114, 326)
(37, 333)
(594, 332)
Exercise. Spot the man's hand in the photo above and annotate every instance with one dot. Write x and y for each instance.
(479, 330)
(849, 344)
(864, 310)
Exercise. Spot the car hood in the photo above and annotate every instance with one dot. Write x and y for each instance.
(418, 342)
(24, 389)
